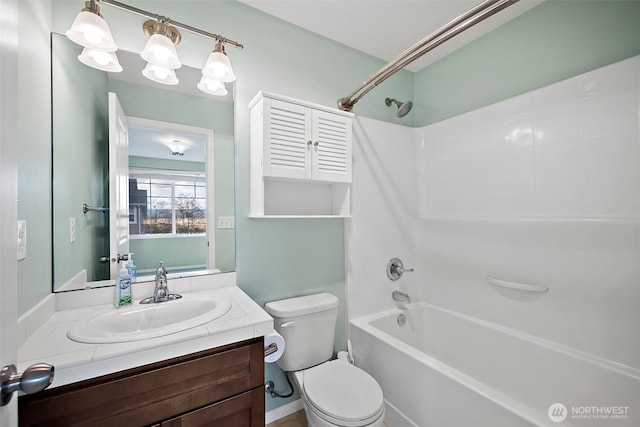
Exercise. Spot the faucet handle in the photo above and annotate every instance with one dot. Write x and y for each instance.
(403, 270)
(395, 269)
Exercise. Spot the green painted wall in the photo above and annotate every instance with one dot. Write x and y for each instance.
(174, 107)
(147, 162)
(34, 150)
(81, 163)
(553, 41)
(175, 251)
(224, 190)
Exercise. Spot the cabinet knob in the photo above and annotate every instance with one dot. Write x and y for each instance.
(309, 143)
(315, 144)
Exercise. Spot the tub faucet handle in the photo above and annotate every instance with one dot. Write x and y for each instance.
(395, 269)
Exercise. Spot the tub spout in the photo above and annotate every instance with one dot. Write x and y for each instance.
(401, 297)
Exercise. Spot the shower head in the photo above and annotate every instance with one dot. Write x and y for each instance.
(403, 107)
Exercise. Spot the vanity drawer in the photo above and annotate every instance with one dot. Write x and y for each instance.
(243, 410)
(152, 393)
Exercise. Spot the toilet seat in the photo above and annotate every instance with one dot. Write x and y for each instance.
(343, 394)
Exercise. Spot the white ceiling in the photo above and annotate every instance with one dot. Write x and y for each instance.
(385, 28)
(147, 142)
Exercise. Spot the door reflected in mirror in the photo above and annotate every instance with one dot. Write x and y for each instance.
(179, 173)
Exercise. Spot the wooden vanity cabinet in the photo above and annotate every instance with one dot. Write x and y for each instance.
(223, 386)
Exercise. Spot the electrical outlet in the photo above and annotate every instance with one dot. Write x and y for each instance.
(72, 229)
(22, 239)
(226, 222)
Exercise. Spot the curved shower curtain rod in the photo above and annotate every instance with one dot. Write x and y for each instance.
(463, 22)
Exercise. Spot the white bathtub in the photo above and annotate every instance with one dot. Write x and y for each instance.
(446, 369)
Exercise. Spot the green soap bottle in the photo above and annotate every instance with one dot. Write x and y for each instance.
(123, 291)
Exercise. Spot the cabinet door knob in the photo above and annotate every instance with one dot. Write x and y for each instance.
(315, 144)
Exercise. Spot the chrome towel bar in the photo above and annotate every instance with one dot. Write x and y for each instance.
(86, 208)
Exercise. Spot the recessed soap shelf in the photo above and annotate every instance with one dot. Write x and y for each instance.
(517, 286)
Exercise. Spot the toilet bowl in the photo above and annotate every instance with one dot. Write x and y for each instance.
(334, 392)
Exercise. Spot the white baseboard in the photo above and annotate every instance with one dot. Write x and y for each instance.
(283, 411)
(79, 281)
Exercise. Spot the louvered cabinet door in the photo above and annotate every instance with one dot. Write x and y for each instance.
(331, 156)
(287, 140)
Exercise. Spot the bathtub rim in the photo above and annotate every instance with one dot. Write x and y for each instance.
(551, 345)
(503, 400)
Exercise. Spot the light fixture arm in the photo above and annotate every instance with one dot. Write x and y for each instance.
(180, 25)
(92, 6)
(161, 25)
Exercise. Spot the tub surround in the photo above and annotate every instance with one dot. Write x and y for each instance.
(542, 188)
(539, 189)
(384, 208)
(75, 361)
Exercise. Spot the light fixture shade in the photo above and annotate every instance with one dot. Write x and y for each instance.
(105, 61)
(90, 30)
(160, 50)
(212, 87)
(218, 67)
(177, 147)
(160, 74)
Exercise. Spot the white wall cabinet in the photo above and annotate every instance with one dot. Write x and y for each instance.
(300, 158)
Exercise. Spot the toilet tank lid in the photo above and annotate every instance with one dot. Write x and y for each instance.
(299, 306)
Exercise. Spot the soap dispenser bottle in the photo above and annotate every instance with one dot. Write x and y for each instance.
(123, 291)
(132, 268)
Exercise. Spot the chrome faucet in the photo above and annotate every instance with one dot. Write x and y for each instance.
(401, 297)
(161, 291)
(395, 269)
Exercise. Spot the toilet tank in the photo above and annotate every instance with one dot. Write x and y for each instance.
(308, 325)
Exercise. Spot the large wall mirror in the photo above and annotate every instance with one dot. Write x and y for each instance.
(179, 172)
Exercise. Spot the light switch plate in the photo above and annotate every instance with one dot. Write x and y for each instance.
(72, 229)
(22, 239)
(226, 222)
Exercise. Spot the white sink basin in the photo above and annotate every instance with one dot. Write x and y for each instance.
(143, 321)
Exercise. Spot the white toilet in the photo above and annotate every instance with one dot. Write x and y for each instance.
(335, 393)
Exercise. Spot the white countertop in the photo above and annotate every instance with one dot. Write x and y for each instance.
(74, 361)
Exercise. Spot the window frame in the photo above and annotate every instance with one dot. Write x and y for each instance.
(173, 176)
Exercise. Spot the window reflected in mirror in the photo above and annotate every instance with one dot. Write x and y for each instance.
(171, 205)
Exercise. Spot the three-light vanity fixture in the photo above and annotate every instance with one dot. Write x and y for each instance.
(91, 31)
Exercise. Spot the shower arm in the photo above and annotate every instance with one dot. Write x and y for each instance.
(463, 22)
